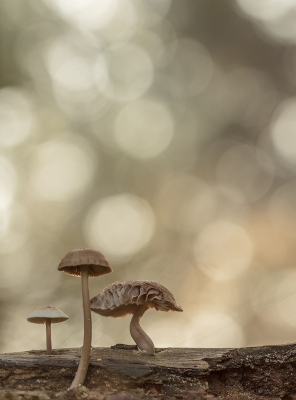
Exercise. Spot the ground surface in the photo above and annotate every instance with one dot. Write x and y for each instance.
(122, 372)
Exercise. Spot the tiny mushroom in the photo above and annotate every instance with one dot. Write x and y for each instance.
(48, 316)
(84, 263)
(134, 297)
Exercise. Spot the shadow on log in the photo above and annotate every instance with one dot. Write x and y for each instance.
(122, 372)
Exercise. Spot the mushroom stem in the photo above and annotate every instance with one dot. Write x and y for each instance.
(48, 336)
(141, 338)
(86, 348)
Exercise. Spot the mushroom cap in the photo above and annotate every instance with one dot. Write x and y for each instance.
(122, 297)
(42, 314)
(94, 260)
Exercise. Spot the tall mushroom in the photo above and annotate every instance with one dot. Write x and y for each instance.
(48, 316)
(84, 263)
(134, 297)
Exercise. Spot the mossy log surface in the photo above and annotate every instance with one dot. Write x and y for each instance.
(122, 372)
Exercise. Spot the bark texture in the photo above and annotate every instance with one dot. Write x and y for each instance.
(122, 372)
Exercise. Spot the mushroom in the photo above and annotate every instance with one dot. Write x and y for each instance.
(48, 316)
(84, 263)
(134, 297)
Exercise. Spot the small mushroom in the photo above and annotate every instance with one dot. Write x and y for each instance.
(48, 316)
(134, 297)
(84, 263)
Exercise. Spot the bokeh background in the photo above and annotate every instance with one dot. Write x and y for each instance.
(162, 133)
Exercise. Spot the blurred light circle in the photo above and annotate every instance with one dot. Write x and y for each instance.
(275, 17)
(119, 226)
(283, 28)
(283, 131)
(282, 203)
(8, 183)
(144, 129)
(223, 250)
(186, 203)
(16, 116)
(151, 12)
(17, 231)
(244, 173)
(74, 74)
(265, 9)
(213, 329)
(12, 277)
(273, 234)
(236, 91)
(101, 73)
(165, 267)
(87, 14)
(80, 106)
(193, 66)
(286, 298)
(4, 223)
(69, 69)
(154, 44)
(122, 26)
(130, 72)
(71, 66)
(62, 168)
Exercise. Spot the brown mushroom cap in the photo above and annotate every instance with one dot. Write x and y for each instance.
(121, 298)
(42, 314)
(94, 260)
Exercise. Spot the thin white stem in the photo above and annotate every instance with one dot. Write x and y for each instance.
(141, 338)
(86, 349)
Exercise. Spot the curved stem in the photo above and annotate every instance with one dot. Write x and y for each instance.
(86, 349)
(48, 336)
(141, 338)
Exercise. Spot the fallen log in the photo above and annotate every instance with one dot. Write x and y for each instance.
(122, 372)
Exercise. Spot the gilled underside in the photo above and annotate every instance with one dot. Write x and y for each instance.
(122, 298)
(93, 270)
(78, 258)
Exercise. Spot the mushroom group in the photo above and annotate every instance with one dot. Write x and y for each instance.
(116, 300)
(134, 297)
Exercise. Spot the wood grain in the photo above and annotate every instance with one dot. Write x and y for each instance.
(257, 372)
